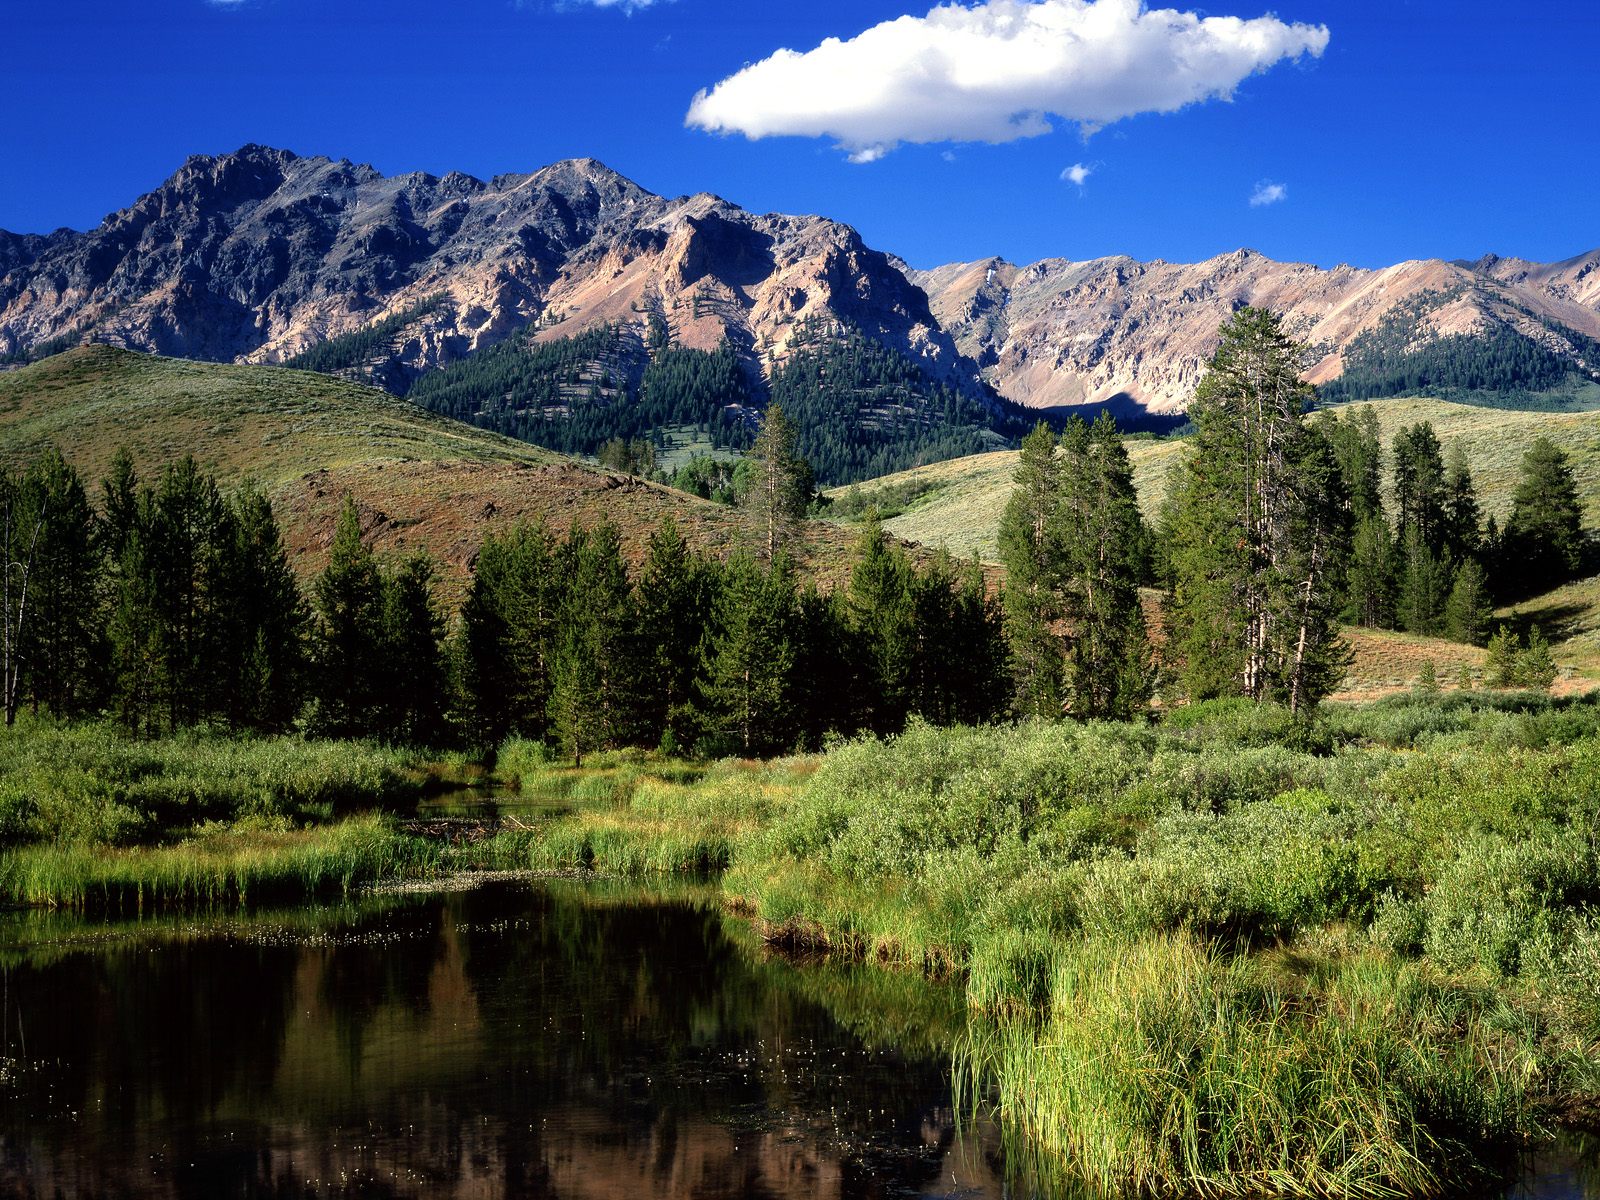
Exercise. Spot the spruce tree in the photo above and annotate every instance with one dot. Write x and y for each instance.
(1419, 486)
(1467, 612)
(747, 689)
(1463, 531)
(268, 623)
(673, 610)
(63, 643)
(1102, 539)
(1261, 530)
(1542, 543)
(416, 683)
(779, 484)
(1424, 586)
(1357, 445)
(508, 635)
(349, 636)
(1029, 540)
(883, 615)
(1370, 577)
(826, 666)
(592, 680)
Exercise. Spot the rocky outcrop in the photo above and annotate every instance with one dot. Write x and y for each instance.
(258, 255)
(1059, 332)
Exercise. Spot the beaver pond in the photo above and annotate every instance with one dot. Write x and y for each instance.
(518, 1038)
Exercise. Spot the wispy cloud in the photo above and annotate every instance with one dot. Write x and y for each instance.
(1267, 193)
(1077, 174)
(998, 71)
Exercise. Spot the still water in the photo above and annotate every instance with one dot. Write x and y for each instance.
(553, 1039)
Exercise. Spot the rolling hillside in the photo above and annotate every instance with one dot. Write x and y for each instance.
(420, 480)
(958, 504)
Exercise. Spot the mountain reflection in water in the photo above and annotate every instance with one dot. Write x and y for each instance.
(551, 1040)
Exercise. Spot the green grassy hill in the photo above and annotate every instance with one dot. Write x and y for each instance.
(957, 504)
(420, 480)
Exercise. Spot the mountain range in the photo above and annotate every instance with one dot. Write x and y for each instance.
(261, 256)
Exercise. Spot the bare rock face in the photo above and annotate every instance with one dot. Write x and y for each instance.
(258, 255)
(1058, 333)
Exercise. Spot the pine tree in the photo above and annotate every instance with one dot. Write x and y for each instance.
(1424, 582)
(1463, 532)
(1102, 539)
(1467, 612)
(592, 693)
(62, 642)
(673, 604)
(1261, 529)
(1419, 486)
(780, 484)
(508, 634)
(1030, 549)
(883, 616)
(349, 637)
(747, 687)
(1543, 537)
(267, 624)
(1358, 449)
(1536, 665)
(1370, 578)
(416, 684)
(1500, 661)
(826, 668)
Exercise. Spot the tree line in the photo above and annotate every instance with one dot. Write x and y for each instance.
(171, 604)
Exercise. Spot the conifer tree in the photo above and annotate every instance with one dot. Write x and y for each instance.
(1101, 538)
(1370, 578)
(1500, 660)
(1543, 536)
(508, 634)
(267, 624)
(826, 666)
(62, 642)
(746, 689)
(1467, 612)
(1424, 585)
(673, 604)
(1419, 486)
(1030, 548)
(416, 684)
(1536, 665)
(779, 484)
(1462, 535)
(1357, 445)
(349, 639)
(1261, 530)
(883, 615)
(591, 682)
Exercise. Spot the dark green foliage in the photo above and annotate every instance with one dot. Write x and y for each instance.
(748, 688)
(959, 669)
(354, 350)
(61, 643)
(635, 456)
(576, 394)
(777, 487)
(1424, 585)
(593, 683)
(1103, 544)
(883, 613)
(673, 610)
(1029, 547)
(508, 628)
(1462, 532)
(1370, 577)
(349, 640)
(416, 684)
(1260, 532)
(707, 477)
(267, 630)
(864, 410)
(1401, 358)
(1419, 488)
(1467, 611)
(1542, 544)
(1511, 663)
(1357, 447)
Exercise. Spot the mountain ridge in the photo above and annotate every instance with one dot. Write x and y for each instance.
(259, 255)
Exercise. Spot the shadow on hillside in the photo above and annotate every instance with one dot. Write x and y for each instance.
(1130, 415)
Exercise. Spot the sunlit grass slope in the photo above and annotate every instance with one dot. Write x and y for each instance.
(420, 480)
(958, 504)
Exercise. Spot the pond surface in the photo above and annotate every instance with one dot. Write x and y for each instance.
(557, 1039)
(518, 1039)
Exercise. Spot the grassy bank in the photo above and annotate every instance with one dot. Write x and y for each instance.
(1226, 954)
(92, 819)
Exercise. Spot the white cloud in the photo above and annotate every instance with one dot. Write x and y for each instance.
(1077, 174)
(998, 71)
(1268, 192)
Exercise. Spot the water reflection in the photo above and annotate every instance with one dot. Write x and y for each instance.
(508, 1041)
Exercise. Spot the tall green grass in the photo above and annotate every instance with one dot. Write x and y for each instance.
(246, 863)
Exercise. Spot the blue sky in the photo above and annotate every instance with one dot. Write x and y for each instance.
(1364, 132)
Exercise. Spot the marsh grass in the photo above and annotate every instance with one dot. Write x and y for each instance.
(246, 863)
